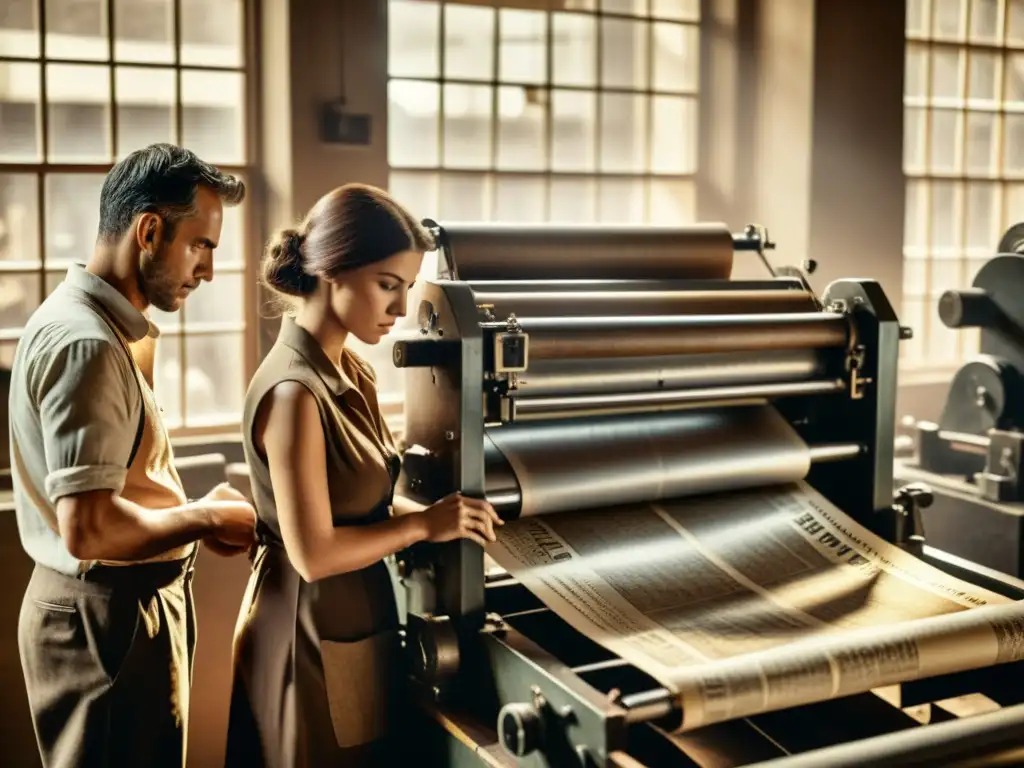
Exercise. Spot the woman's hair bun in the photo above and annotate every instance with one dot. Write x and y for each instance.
(284, 266)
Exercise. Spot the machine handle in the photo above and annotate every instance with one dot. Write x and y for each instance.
(968, 308)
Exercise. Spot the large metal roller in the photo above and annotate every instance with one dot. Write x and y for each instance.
(557, 466)
(551, 378)
(595, 337)
(567, 303)
(507, 251)
(674, 399)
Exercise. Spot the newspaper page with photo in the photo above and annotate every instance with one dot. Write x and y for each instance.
(746, 602)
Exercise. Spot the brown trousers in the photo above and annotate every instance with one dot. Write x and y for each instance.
(107, 659)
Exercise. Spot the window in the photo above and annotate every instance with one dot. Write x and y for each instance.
(963, 157)
(577, 111)
(83, 83)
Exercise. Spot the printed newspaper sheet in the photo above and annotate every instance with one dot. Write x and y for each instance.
(752, 601)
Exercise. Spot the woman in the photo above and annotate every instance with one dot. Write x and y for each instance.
(317, 657)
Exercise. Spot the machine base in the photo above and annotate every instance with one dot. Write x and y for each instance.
(962, 523)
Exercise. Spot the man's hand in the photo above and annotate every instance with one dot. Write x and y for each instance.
(234, 521)
(224, 550)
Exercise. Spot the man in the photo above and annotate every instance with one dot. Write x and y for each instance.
(107, 629)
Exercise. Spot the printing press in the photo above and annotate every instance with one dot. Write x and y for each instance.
(575, 355)
(972, 457)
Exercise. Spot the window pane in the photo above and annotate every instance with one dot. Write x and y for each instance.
(467, 126)
(167, 377)
(676, 9)
(76, 29)
(72, 216)
(672, 202)
(912, 315)
(573, 201)
(674, 135)
(634, 7)
(574, 49)
(623, 133)
(948, 18)
(20, 90)
(982, 148)
(915, 276)
(413, 33)
(144, 98)
(1014, 74)
(945, 274)
(215, 381)
(1015, 22)
(947, 73)
(676, 57)
(468, 42)
(523, 46)
(413, 123)
(1013, 207)
(19, 297)
(623, 53)
(519, 198)
(983, 215)
(946, 215)
(19, 217)
(943, 343)
(19, 28)
(521, 128)
(415, 191)
(79, 113)
(915, 228)
(621, 200)
(144, 30)
(211, 33)
(915, 82)
(1013, 141)
(574, 129)
(220, 301)
(913, 139)
(917, 16)
(464, 197)
(945, 154)
(231, 249)
(984, 82)
(213, 115)
(985, 20)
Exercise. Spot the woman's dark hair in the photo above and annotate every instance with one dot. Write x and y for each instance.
(348, 228)
(162, 179)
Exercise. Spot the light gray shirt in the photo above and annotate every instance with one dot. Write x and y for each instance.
(75, 405)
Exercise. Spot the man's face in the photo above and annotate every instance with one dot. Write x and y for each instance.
(174, 268)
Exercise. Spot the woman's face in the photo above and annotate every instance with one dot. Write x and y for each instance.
(367, 301)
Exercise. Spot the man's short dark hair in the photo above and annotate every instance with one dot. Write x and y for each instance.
(162, 179)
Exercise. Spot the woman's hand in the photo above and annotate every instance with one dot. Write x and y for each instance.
(458, 517)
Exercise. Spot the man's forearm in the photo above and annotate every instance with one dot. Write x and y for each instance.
(105, 526)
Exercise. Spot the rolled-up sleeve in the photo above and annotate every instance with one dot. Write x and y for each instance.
(88, 414)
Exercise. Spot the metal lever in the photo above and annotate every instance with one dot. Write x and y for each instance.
(910, 500)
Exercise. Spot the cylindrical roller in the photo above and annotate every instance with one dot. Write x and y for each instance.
(577, 337)
(605, 303)
(549, 378)
(565, 406)
(582, 464)
(544, 252)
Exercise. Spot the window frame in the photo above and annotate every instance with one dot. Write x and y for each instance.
(693, 95)
(250, 223)
(923, 37)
